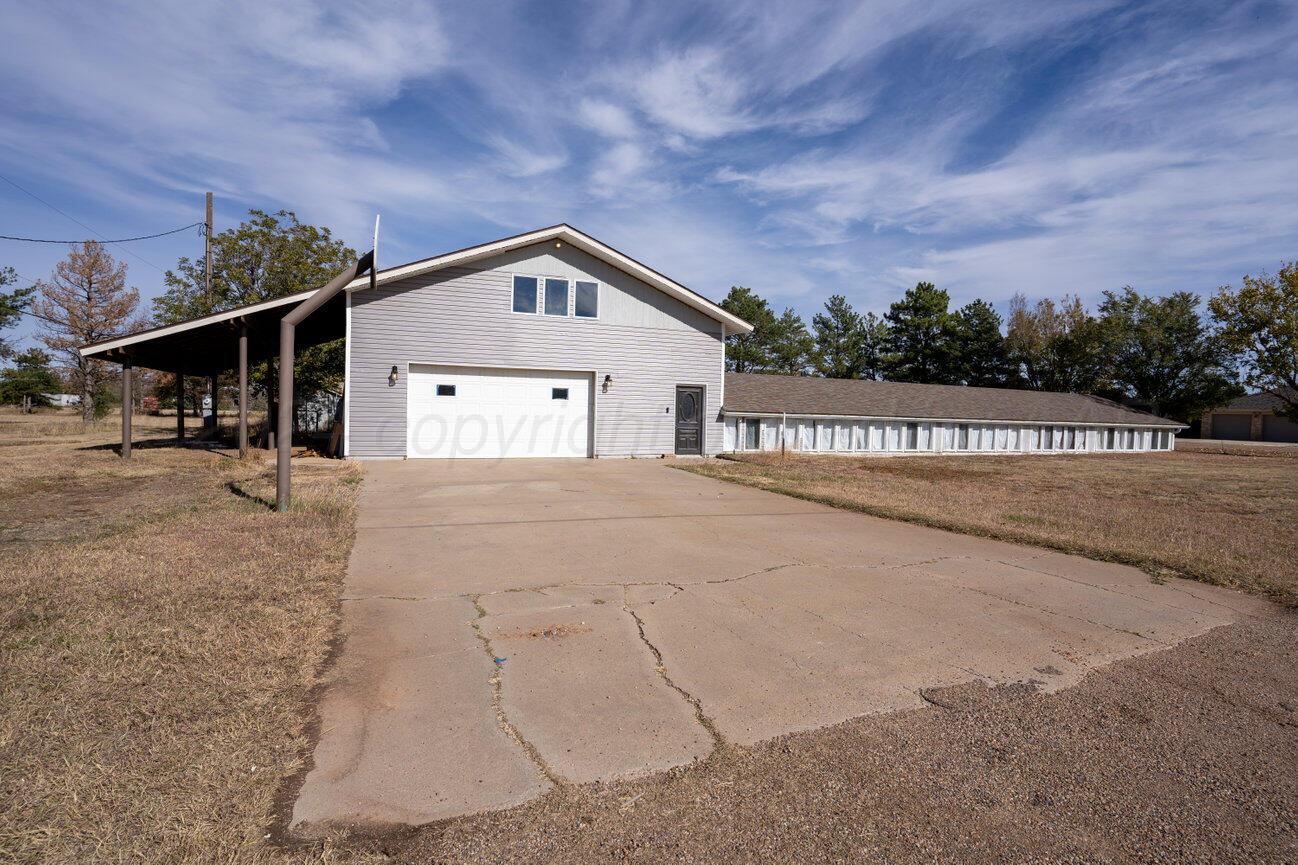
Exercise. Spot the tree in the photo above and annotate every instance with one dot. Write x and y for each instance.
(983, 361)
(12, 305)
(1056, 347)
(268, 255)
(921, 345)
(840, 339)
(749, 352)
(1161, 353)
(29, 379)
(1259, 323)
(86, 300)
(790, 346)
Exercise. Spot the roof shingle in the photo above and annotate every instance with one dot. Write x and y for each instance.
(801, 395)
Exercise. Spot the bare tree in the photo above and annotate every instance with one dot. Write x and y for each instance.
(86, 300)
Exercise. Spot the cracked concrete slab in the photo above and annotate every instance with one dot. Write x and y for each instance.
(583, 688)
(407, 729)
(518, 624)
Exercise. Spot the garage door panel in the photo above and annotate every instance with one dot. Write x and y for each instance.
(1235, 427)
(1279, 429)
(497, 413)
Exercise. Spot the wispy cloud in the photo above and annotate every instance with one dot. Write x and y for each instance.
(846, 147)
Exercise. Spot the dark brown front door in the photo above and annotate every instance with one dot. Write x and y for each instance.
(689, 420)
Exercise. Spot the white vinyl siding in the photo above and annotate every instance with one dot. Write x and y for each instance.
(645, 341)
(868, 435)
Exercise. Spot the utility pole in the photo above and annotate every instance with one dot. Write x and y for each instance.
(207, 269)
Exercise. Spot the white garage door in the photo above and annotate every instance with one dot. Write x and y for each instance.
(491, 413)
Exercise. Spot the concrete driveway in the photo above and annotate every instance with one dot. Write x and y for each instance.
(519, 624)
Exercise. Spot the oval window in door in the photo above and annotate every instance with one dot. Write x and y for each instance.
(689, 406)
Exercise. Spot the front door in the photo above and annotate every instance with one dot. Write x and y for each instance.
(689, 419)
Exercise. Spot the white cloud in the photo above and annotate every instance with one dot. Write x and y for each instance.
(611, 121)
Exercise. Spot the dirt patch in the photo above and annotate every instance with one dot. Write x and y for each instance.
(549, 632)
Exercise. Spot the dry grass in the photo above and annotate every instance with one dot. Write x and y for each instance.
(160, 635)
(1218, 518)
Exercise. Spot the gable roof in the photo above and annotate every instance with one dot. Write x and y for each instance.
(756, 393)
(1262, 401)
(567, 234)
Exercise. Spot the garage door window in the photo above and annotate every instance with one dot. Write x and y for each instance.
(525, 291)
(558, 393)
(446, 390)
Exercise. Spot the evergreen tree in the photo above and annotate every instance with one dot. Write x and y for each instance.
(840, 337)
(12, 304)
(749, 352)
(921, 344)
(981, 347)
(874, 344)
(791, 346)
(30, 377)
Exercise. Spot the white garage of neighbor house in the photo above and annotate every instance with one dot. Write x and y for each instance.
(553, 344)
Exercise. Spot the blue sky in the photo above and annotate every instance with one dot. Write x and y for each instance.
(801, 149)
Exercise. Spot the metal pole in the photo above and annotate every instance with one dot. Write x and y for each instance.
(270, 403)
(207, 255)
(180, 405)
(243, 390)
(126, 410)
(287, 329)
(284, 443)
(212, 387)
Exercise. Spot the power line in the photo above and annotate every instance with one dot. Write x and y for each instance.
(31, 194)
(122, 240)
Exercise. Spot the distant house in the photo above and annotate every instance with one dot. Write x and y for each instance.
(1252, 417)
(62, 400)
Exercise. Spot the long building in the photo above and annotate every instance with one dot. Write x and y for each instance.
(770, 412)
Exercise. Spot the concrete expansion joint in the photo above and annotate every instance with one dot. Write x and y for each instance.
(718, 741)
(497, 699)
(932, 561)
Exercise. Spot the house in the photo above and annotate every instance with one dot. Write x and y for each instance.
(1253, 417)
(63, 400)
(553, 344)
(769, 412)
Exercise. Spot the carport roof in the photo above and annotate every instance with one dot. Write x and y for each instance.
(753, 393)
(209, 344)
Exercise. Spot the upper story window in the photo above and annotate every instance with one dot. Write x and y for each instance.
(587, 299)
(525, 292)
(556, 296)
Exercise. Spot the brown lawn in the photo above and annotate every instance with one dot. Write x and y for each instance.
(160, 634)
(1219, 518)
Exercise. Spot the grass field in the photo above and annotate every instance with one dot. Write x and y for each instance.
(1225, 519)
(160, 634)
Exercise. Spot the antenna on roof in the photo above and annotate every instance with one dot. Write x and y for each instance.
(375, 259)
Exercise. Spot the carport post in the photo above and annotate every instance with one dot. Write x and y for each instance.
(287, 328)
(243, 390)
(126, 409)
(180, 405)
